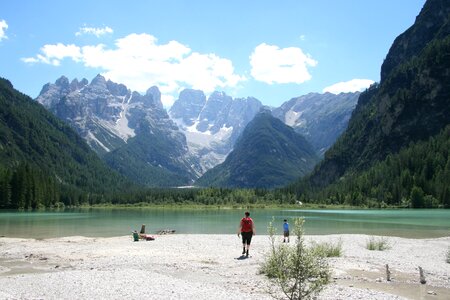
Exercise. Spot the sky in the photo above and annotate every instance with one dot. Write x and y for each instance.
(270, 50)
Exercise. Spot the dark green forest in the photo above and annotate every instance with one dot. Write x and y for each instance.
(418, 177)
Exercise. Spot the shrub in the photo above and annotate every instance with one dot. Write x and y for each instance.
(379, 244)
(300, 272)
(328, 249)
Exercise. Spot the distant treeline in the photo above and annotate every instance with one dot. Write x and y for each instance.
(28, 188)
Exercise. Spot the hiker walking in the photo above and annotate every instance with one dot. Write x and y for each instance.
(247, 230)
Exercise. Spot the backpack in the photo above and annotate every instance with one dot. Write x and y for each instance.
(247, 225)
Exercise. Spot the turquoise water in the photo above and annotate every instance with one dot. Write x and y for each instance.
(118, 222)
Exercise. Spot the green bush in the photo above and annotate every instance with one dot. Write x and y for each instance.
(300, 272)
(328, 249)
(379, 244)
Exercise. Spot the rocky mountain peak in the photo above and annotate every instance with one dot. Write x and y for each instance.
(155, 96)
(212, 125)
(99, 81)
(214, 114)
(62, 82)
(117, 89)
(76, 85)
(188, 106)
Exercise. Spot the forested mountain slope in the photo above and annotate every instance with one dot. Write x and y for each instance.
(410, 104)
(42, 158)
(268, 154)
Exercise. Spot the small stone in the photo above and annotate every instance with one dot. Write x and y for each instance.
(431, 293)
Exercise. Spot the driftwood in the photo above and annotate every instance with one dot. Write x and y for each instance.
(422, 276)
(388, 273)
(142, 229)
(166, 231)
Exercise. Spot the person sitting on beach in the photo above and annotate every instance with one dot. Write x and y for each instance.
(285, 231)
(247, 230)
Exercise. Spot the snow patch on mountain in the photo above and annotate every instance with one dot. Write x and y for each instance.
(212, 125)
(122, 127)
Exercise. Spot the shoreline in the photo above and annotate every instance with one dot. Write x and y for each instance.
(205, 266)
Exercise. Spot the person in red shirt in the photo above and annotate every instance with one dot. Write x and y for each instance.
(247, 230)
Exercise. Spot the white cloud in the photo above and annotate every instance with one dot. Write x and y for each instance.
(138, 61)
(95, 31)
(53, 54)
(354, 85)
(3, 27)
(271, 64)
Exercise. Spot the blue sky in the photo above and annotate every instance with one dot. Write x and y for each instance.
(271, 50)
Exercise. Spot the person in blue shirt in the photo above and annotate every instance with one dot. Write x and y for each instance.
(285, 231)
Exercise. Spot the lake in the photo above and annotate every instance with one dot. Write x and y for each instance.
(107, 222)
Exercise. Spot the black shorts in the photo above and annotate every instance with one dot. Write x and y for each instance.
(246, 237)
(286, 233)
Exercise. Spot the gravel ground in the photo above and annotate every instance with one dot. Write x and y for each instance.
(209, 267)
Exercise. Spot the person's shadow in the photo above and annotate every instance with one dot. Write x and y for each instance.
(242, 257)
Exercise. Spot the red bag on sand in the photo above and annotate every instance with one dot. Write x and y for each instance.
(149, 237)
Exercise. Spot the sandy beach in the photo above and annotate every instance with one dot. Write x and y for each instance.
(198, 267)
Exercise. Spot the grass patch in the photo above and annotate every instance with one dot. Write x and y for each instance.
(328, 249)
(379, 244)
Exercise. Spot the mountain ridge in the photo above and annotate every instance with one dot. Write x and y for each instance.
(268, 154)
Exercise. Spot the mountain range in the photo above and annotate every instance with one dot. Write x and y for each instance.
(135, 135)
(131, 132)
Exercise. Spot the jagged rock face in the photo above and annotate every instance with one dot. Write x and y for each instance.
(108, 115)
(214, 114)
(98, 111)
(212, 126)
(188, 106)
(320, 118)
